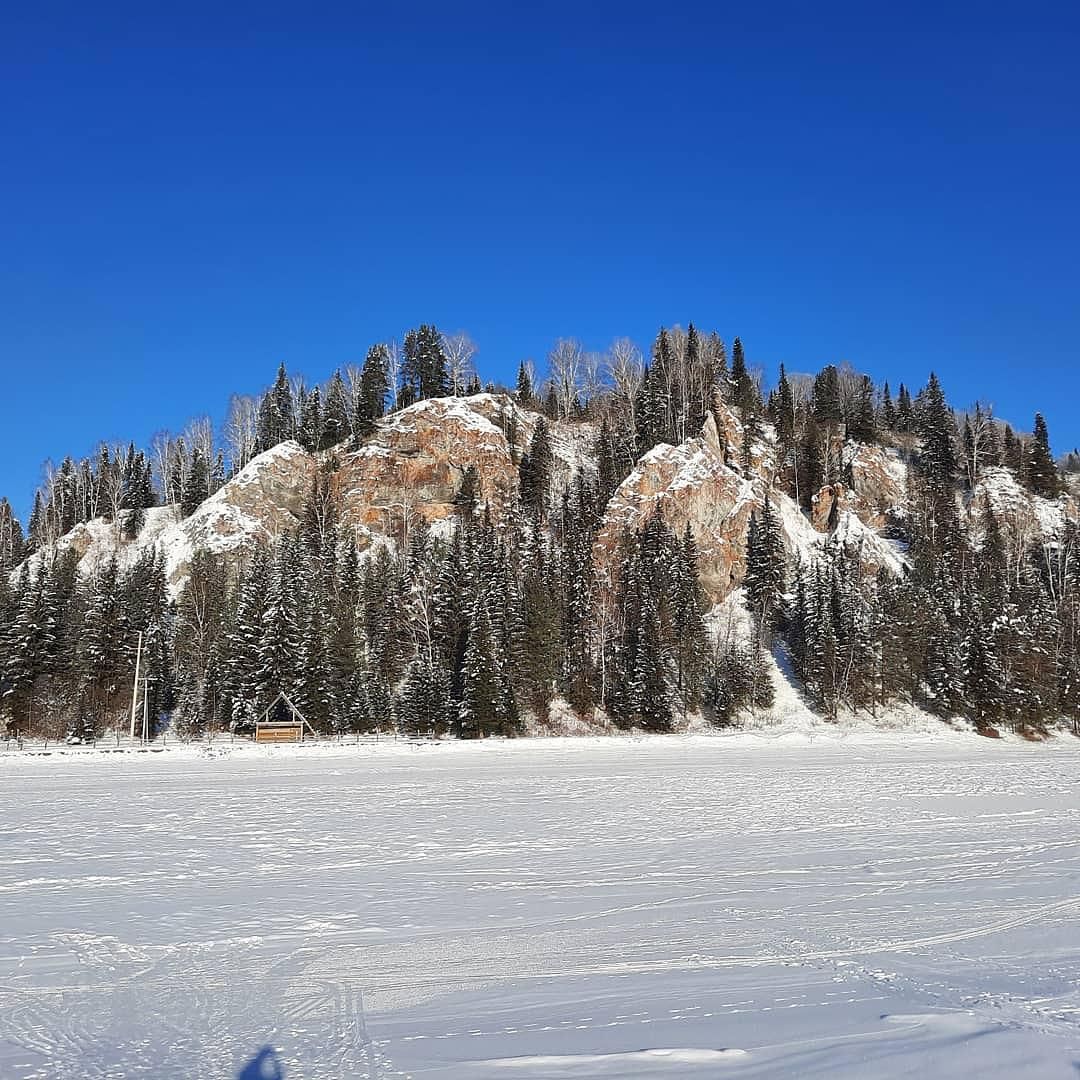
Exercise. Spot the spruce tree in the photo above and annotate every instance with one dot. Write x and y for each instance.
(863, 425)
(690, 638)
(888, 410)
(310, 427)
(765, 567)
(196, 484)
(744, 391)
(374, 386)
(468, 493)
(1042, 473)
(534, 472)
(276, 419)
(424, 367)
(524, 385)
(482, 711)
(905, 413)
(279, 639)
(336, 422)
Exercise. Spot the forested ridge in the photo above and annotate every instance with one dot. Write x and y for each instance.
(475, 625)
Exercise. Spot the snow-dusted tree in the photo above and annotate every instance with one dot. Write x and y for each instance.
(765, 567)
(482, 710)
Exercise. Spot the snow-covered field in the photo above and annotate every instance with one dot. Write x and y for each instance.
(683, 907)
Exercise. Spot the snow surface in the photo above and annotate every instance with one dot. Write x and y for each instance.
(830, 904)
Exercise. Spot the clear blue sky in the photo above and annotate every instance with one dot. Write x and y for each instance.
(190, 196)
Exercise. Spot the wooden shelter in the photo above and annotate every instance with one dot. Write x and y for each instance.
(282, 722)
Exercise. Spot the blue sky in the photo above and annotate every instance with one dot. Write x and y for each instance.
(190, 197)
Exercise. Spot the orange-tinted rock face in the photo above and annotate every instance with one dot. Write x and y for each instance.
(689, 484)
(414, 465)
(826, 505)
(415, 461)
(696, 484)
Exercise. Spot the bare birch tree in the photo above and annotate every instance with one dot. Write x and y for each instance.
(393, 370)
(241, 429)
(459, 349)
(565, 367)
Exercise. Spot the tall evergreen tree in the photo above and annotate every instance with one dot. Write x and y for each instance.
(1042, 473)
(374, 386)
(424, 369)
(765, 569)
(336, 422)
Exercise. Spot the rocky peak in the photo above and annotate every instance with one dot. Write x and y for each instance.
(414, 462)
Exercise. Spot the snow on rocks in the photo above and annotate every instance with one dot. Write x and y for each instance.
(1029, 516)
(264, 499)
(689, 484)
(697, 483)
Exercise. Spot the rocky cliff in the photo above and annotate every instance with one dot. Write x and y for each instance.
(413, 464)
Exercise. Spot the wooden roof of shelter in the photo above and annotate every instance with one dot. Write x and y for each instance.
(298, 716)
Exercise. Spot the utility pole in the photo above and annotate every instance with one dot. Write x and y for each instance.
(135, 686)
(145, 708)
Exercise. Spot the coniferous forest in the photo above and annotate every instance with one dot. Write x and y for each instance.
(478, 628)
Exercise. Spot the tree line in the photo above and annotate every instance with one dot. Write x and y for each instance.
(468, 633)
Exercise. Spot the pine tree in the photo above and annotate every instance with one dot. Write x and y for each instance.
(105, 646)
(826, 398)
(279, 640)
(863, 425)
(577, 573)
(649, 695)
(888, 410)
(783, 413)
(311, 688)
(11, 538)
(423, 700)
(905, 412)
(985, 679)
(540, 631)
(937, 426)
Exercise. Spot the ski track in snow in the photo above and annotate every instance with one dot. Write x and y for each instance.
(682, 907)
